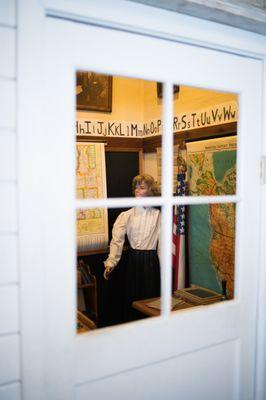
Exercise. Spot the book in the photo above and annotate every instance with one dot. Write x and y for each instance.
(85, 273)
(199, 295)
(157, 303)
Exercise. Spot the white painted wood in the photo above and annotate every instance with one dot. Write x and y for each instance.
(160, 23)
(159, 339)
(7, 156)
(153, 201)
(232, 12)
(8, 215)
(8, 259)
(113, 350)
(10, 359)
(261, 321)
(7, 102)
(8, 12)
(10, 392)
(256, 3)
(31, 170)
(31, 244)
(8, 47)
(167, 190)
(9, 315)
(175, 378)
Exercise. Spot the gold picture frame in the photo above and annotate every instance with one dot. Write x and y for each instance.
(160, 90)
(93, 91)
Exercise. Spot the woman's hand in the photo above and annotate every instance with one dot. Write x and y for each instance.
(107, 272)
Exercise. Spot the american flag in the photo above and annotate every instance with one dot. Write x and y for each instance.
(179, 221)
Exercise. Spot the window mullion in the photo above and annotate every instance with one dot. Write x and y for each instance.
(167, 191)
(119, 202)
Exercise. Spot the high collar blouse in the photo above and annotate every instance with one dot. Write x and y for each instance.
(142, 227)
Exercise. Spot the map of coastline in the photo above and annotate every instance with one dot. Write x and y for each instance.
(212, 171)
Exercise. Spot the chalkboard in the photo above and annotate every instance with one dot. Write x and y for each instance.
(121, 167)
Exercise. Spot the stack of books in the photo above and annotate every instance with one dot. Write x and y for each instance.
(84, 274)
(199, 295)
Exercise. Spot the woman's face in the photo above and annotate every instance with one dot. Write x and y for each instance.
(142, 189)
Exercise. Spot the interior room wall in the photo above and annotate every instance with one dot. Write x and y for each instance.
(188, 99)
(127, 102)
(149, 164)
(136, 100)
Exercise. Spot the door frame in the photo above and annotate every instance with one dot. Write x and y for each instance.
(177, 28)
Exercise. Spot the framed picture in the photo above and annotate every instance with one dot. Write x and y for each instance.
(93, 91)
(160, 89)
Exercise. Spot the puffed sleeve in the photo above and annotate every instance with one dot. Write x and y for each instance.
(117, 242)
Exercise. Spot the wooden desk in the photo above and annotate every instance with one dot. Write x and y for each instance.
(142, 306)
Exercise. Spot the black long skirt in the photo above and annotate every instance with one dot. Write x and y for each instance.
(142, 279)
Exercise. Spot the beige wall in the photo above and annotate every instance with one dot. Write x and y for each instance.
(136, 100)
(127, 103)
(188, 99)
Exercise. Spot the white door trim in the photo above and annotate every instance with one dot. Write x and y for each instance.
(30, 31)
(132, 17)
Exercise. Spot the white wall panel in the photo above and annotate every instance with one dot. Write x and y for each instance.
(10, 392)
(8, 48)
(8, 259)
(177, 378)
(7, 156)
(7, 104)
(9, 356)
(8, 211)
(9, 319)
(7, 12)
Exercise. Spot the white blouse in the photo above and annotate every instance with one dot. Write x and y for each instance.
(142, 226)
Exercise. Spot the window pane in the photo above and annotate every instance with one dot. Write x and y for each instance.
(211, 241)
(118, 128)
(205, 140)
(204, 251)
(204, 164)
(131, 290)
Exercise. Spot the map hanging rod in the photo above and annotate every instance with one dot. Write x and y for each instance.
(89, 140)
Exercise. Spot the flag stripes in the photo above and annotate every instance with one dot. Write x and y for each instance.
(178, 245)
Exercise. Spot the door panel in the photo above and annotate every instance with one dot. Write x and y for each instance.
(218, 339)
(177, 378)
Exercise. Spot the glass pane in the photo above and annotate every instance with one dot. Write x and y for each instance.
(119, 283)
(118, 127)
(203, 253)
(205, 141)
(212, 247)
(119, 131)
(204, 164)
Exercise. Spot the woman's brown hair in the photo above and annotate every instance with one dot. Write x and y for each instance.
(150, 182)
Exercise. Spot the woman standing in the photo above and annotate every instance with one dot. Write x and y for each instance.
(142, 227)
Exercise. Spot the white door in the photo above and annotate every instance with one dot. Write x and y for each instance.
(204, 353)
